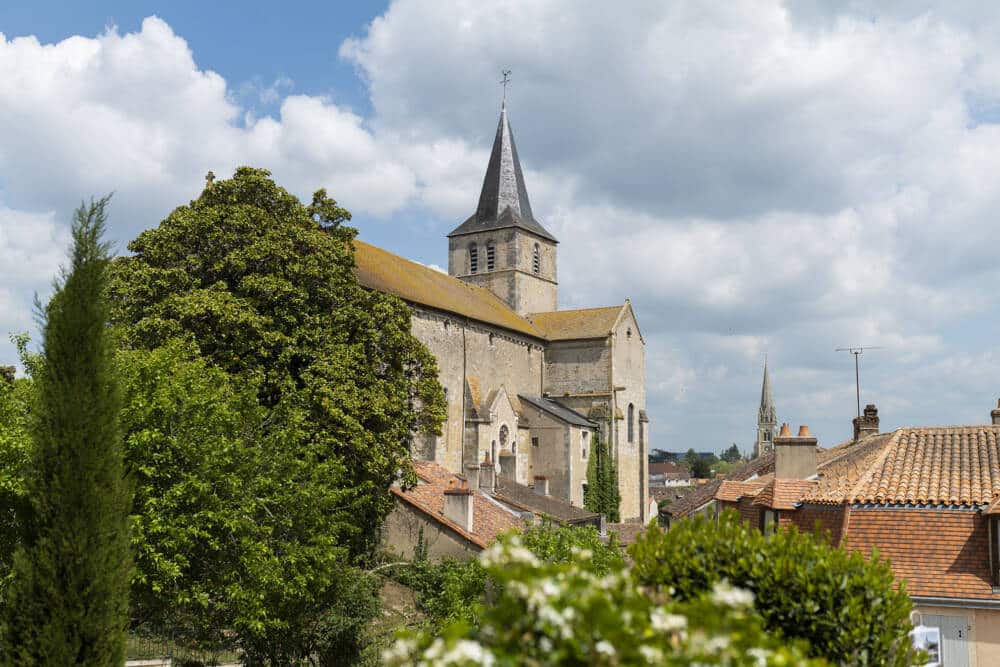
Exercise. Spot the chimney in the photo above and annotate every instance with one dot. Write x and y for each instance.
(995, 415)
(867, 423)
(487, 475)
(794, 456)
(472, 474)
(541, 485)
(508, 465)
(458, 505)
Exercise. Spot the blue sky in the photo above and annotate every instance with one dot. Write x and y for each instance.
(758, 177)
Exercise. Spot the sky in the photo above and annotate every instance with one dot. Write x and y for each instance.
(758, 177)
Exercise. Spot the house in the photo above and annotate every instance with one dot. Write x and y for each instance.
(927, 498)
(459, 516)
(668, 473)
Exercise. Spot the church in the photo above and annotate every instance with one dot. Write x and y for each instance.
(527, 385)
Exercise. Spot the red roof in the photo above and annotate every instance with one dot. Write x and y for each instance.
(488, 520)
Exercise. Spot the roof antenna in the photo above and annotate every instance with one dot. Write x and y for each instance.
(504, 82)
(857, 352)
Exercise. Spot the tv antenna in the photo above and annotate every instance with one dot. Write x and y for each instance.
(857, 352)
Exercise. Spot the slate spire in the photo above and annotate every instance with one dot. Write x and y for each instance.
(767, 414)
(503, 201)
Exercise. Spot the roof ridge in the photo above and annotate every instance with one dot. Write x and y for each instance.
(577, 310)
(876, 464)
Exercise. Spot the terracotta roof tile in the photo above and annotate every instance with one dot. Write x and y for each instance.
(577, 324)
(953, 563)
(949, 465)
(488, 521)
(784, 494)
(732, 491)
(381, 270)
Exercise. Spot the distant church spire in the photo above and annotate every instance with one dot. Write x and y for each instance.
(767, 417)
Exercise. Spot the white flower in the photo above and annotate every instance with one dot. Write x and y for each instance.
(399, 653)
(724, 593)
(605, 648)
(582, 554)
(664, 622)
(465, 651)
(651, 654)
(716, 644)
(758, 654)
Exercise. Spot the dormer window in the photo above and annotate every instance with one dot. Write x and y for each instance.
(491, 256)
(473, 258)
(536, 260)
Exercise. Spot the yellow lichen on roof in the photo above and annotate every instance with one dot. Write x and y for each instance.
(577, 324)
(381, 270)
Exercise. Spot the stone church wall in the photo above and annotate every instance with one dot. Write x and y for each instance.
(629, 372)
(577, 367)
(491, 356)
(550, 456)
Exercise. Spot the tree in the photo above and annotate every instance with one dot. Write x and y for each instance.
(847, 608)
(564, 613)
(732, 455)
(698, 466)
(68, 599)
(602, 495)
(15, 451)
(249, 332)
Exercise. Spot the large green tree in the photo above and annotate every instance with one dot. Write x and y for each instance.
(67, 602)
(272, 402)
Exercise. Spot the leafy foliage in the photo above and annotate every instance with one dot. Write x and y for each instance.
(700, 467)
(844, 605)
(564, 613)
(732, 454)
(271, 400)
(15, 450)
(602, 494)
(452, 590)
(264, 287)
(67, 602)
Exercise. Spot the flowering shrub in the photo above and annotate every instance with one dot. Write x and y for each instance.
(562, 613)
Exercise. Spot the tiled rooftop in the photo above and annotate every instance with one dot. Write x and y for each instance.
(783, 494)
(489, 519)
(732, 491)
(383, 271)
(950, 465)
(577, 324)
(524, 497)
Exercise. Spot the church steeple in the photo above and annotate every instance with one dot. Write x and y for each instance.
(501, 246)
(503, 200)
(767, 417)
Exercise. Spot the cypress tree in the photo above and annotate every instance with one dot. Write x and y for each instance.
(602, 495)
(68, 601)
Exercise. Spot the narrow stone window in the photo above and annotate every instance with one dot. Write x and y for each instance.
(534, 442)
(583, 444)
(504, 433)
(491, 256)
(631, 423)
(492, 340)
(536, 260)
(473, 258)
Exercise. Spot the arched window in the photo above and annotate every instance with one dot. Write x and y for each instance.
(473, 258)
(491, 256)
(631, 423)
(536, 260)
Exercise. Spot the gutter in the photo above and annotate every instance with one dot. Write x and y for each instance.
(964, 603)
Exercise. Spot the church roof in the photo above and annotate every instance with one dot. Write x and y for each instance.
(503, 201)
(577, 324)
(382, 270)
(558, 410)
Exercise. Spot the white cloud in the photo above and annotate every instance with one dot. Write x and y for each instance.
(756, 177)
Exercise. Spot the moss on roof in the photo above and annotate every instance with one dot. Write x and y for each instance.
(381, 270)
(577, 324)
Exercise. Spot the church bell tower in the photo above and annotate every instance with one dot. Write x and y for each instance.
(501, 246)
(767, 418)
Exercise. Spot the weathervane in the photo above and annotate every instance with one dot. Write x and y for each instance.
(504, 82)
